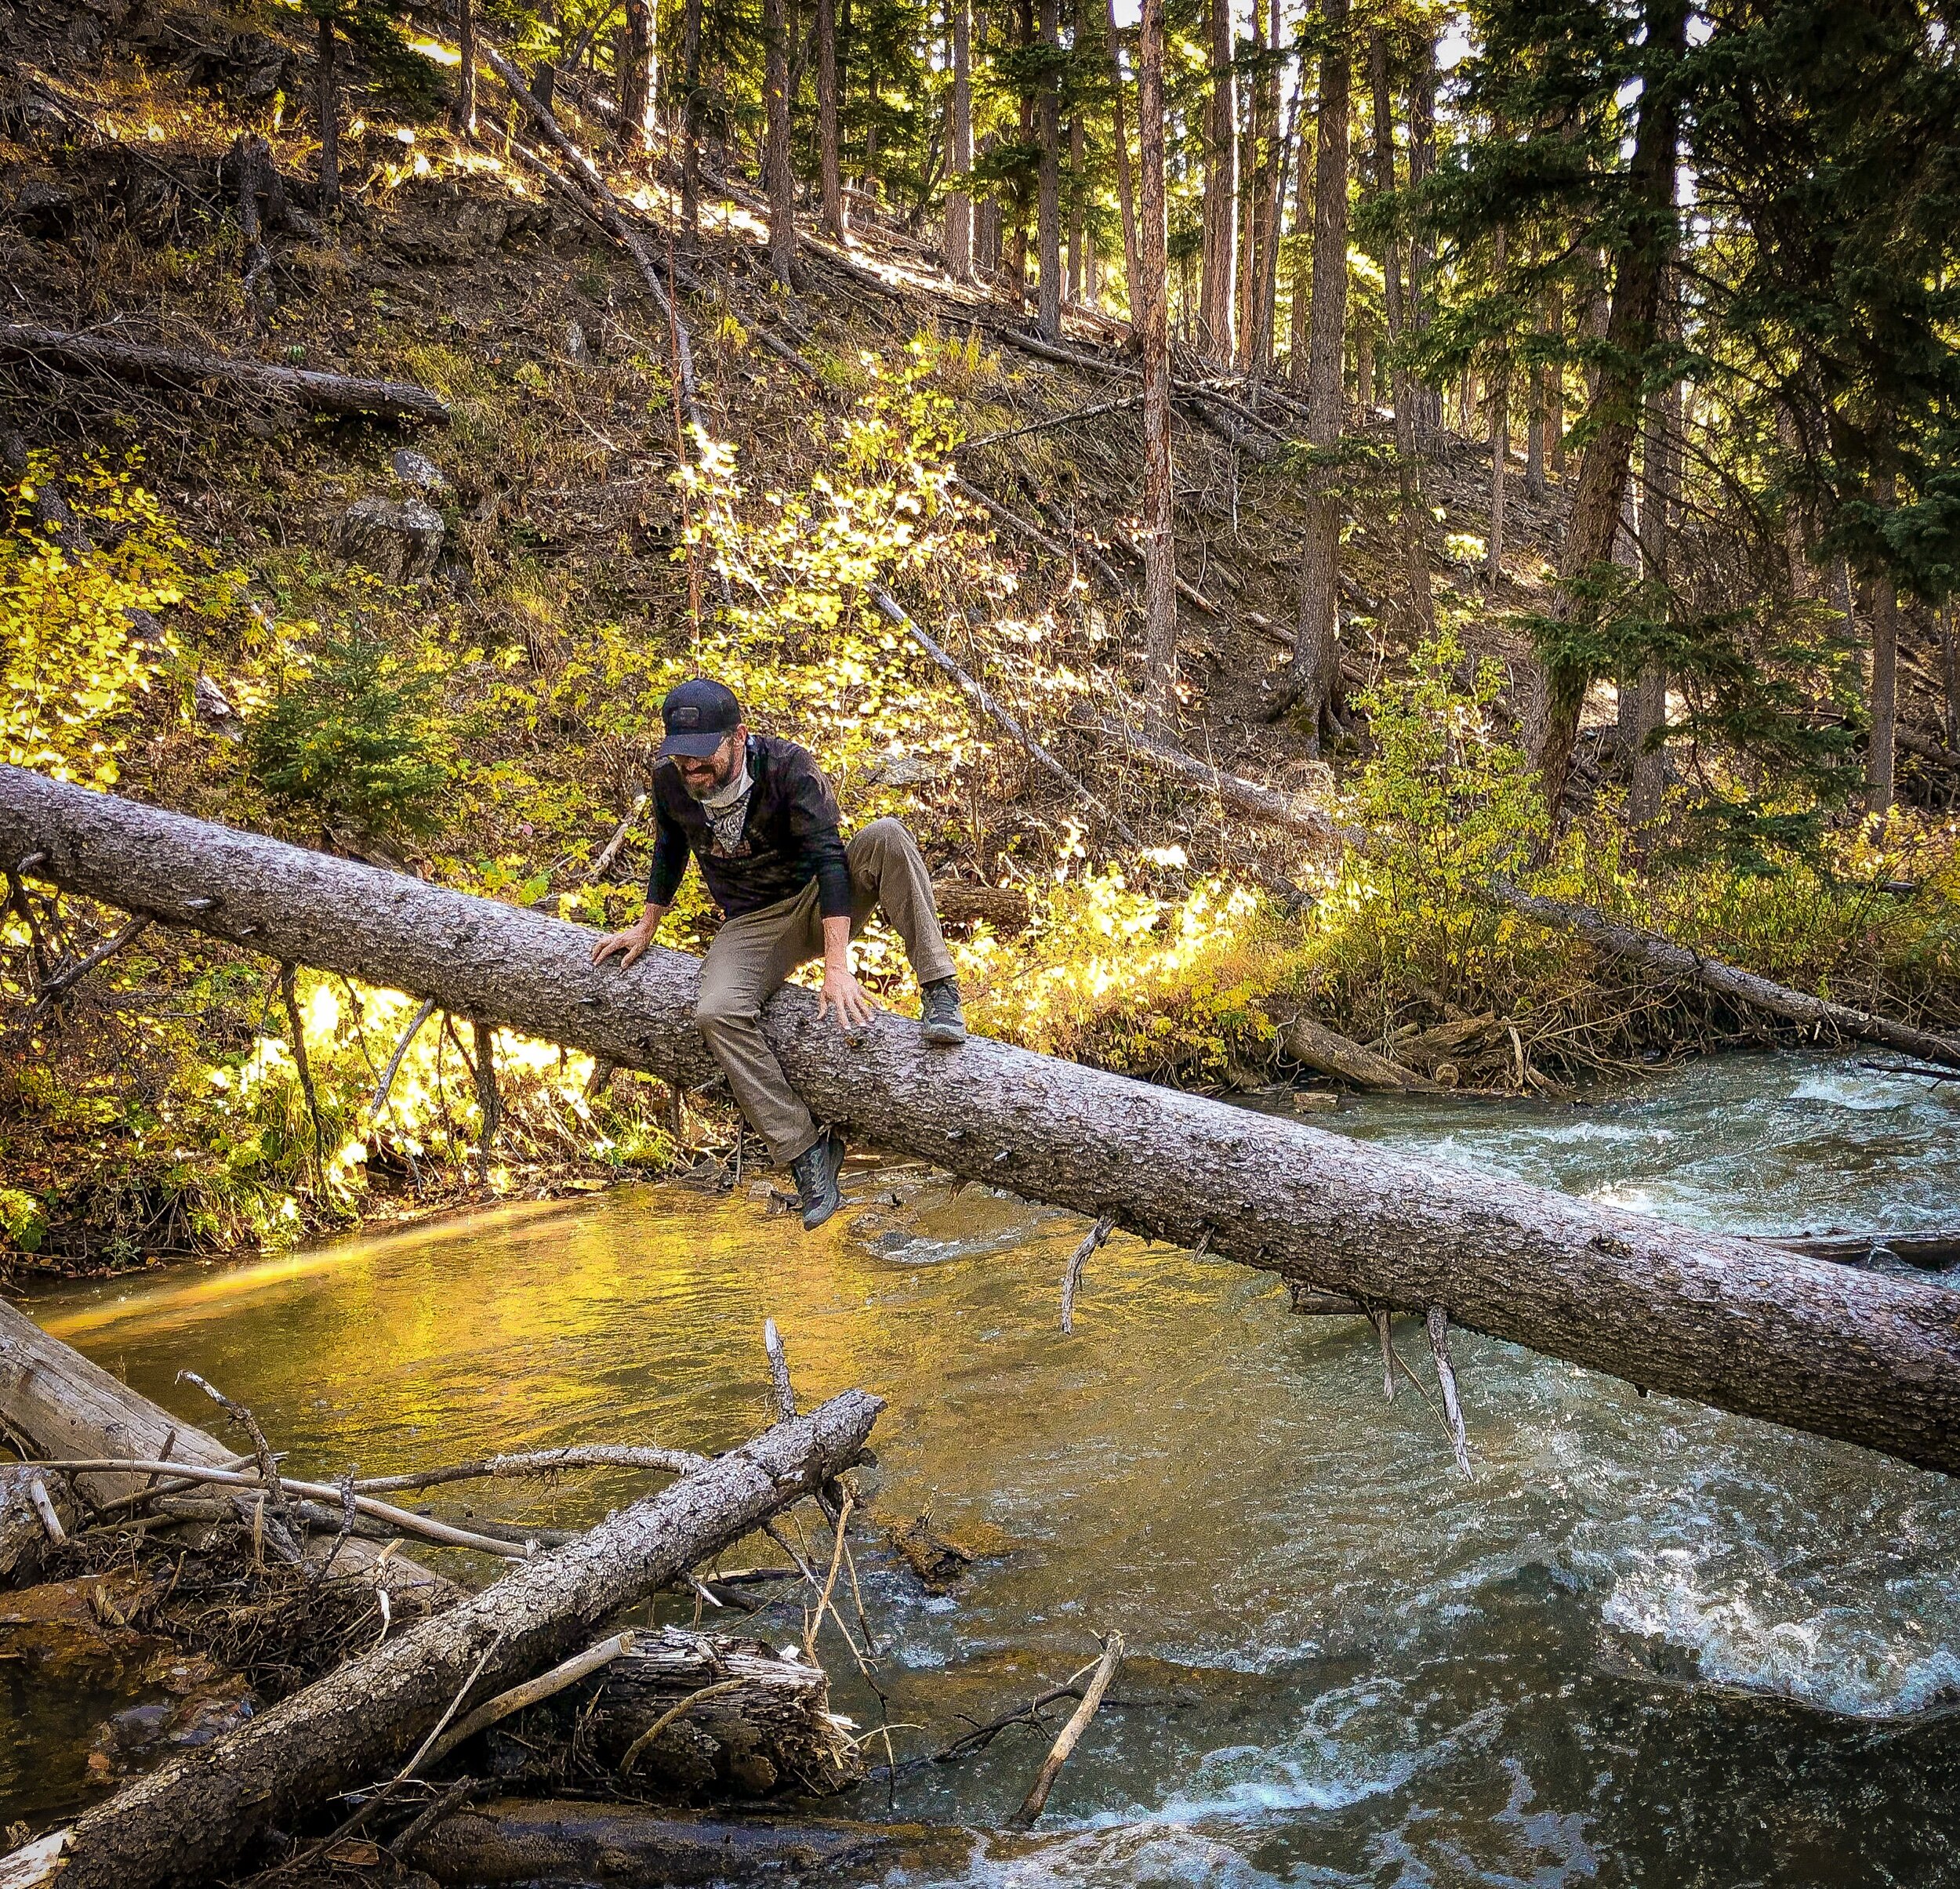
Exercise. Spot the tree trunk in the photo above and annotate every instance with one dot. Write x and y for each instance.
(829, 157)
(1126, 202)
(1048, 207)
(1638, 268)
(1534, 433)
(958, 237)
(327, 93)
(778, 179)
(1881, 764)
(690, 119)
(634, 133)
(462, 110)
(1216, 294)
(1415, 510)
(191, 1821)
(1870, 1360)
(1152, 283)
(1316, 645)
(1422, 165)
(193, 371)
(1076, 165)
(1659, 487)
(518, 1840)
(1555, 405)
(1500, 419)
(1300, 284)
(544, 75)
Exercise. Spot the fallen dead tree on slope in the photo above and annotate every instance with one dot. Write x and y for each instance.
(1867, 1358)
(1618, 940)
(193, 370)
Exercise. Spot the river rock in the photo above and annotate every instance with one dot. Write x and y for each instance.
(401, 541)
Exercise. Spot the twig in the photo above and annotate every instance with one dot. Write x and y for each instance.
(288, 992)
(261, 1449)
(1077, 1259)
(610, 850)
(394, 1062)
(1388, 1353)
(44, 1508)
(830, 1584)
(567, 1673)
(1058, 419)
(64, 981)
(672, 1716)
(1440, 1344)
(1031, 1805)
(430, 1746)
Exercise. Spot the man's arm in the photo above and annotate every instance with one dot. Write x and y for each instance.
(670, 857)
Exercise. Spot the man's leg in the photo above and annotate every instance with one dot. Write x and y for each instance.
(886, 872)
(747, 962)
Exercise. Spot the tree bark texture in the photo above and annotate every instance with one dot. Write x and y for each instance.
(520, 1840)
(327, 98)
(959, 234)
(1415, 506)
(829, 159)
(1048, 198)
(1150, 298)
(187, 368)
(1317, 645)
(635, 128)
(1638, 268)
(191, 1821)
(1870, 1359)
(1216, 296)
(779, 178)
(1125, 199)
(462, 112)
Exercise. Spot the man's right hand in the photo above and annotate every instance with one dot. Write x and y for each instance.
(629, 945)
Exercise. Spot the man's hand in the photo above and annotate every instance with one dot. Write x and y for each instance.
(855, 1006)
(630, 945)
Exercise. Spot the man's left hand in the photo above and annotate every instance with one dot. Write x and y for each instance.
(854, 1006)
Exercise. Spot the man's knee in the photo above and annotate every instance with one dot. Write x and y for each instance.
(720, 1010)
(881, 840)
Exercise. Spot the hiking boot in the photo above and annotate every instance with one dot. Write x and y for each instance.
(815, 1172)
(940, 1019)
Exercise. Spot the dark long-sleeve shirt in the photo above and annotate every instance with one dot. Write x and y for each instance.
(789, 837)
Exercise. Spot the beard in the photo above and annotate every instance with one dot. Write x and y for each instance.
(701, 787)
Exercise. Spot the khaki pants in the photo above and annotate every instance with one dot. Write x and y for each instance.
(752, 957)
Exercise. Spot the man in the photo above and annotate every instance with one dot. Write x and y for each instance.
(758, 814)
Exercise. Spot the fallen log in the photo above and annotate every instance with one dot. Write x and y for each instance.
(68, 1408)
(195, 371)
(757, 1721)
(1309, 1041)
(1929, 1251)
(519, 1840)
(1864, 1356)
(190, 1822)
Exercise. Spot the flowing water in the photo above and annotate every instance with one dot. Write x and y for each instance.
(1648, 1645)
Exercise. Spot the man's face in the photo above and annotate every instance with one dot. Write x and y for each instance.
(704, 777)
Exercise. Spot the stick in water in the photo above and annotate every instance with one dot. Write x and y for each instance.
(1388, 1353)
(1077, 1259)
(786, 1395)
(1031, 1805)
(1440, 1344)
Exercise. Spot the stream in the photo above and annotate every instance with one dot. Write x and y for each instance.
(1648, 1645)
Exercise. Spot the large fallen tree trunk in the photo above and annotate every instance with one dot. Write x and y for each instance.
(1870, 1359)
(190, 369)
(191, 1821)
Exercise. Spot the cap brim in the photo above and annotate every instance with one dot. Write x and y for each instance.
(702, 747)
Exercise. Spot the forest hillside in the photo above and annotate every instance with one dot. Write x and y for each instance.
(1561, 484)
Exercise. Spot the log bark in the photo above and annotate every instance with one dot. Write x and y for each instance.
(196, 372)
(1864, 1357)
(520, 1840)
(191, 1820)
(24, 1539)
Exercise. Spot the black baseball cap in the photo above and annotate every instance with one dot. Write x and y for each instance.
(700, 717)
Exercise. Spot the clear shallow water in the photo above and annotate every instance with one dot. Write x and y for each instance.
(1648, 1645)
